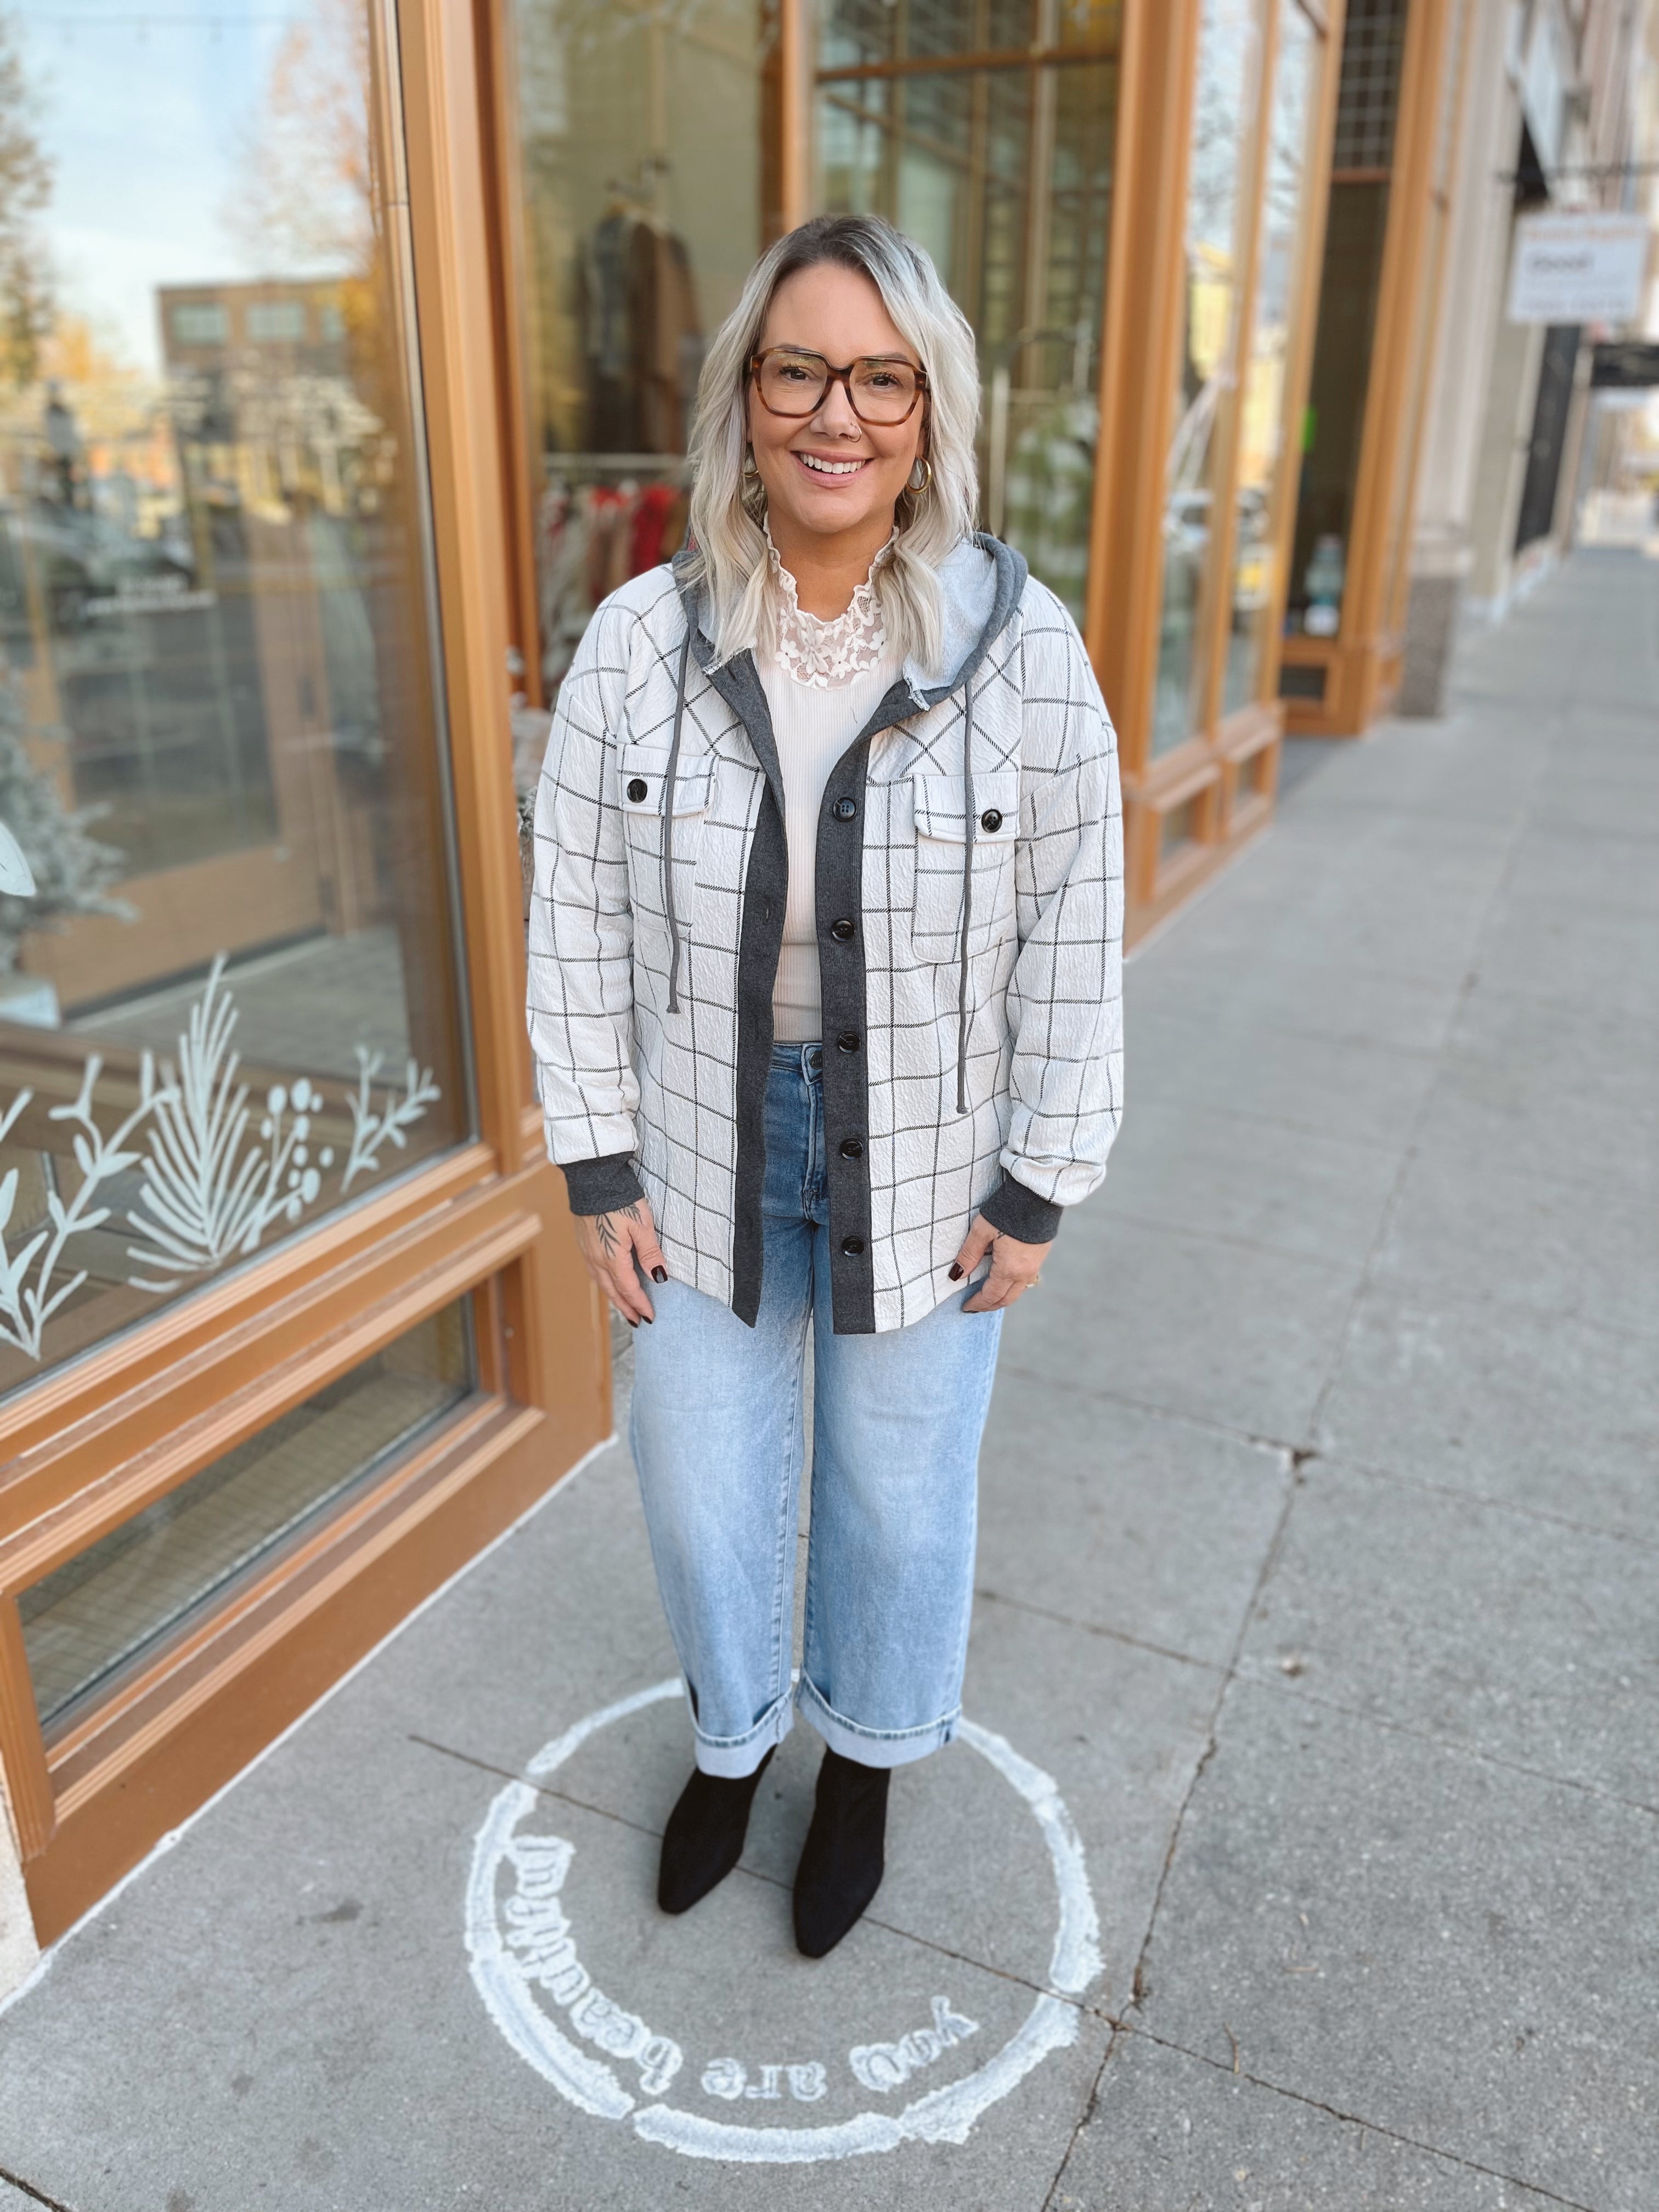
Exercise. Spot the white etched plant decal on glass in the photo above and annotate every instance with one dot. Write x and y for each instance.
(28, 1297)
(370, 1130)
(207, 1197)
(213, 1183)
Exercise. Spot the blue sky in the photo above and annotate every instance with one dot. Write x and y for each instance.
(146, 113)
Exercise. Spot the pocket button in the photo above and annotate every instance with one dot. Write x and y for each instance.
(991, 821)
(637, 787)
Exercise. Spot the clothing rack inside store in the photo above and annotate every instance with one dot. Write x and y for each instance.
(669, 467)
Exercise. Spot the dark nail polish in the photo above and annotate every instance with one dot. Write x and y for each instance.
(647, 1317)
(629, 1319)
(659, 1274)
(956, 1271)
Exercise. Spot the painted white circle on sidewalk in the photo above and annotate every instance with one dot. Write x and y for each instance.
(526, 1966)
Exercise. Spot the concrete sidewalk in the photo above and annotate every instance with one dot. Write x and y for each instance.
(1317, 1659)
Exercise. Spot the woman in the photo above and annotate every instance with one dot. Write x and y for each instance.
(824, 1000)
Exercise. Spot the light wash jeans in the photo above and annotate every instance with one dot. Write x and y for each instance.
(718, 1437)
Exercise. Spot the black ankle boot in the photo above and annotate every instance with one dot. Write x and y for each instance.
(841, 1863)
(704, 1840)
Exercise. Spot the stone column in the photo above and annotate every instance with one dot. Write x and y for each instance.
(1477, 252)
(18, 1949)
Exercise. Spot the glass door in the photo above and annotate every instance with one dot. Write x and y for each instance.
(988, 132)
(1220, 221)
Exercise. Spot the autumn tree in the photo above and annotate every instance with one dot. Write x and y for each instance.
(26, 305)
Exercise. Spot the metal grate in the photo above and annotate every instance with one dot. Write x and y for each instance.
(1367, 98)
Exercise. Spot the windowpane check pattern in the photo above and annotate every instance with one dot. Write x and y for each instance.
(621, 1075)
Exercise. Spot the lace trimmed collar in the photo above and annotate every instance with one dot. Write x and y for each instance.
(824, 654)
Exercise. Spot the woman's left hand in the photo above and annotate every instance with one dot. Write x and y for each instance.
(1015, 1268)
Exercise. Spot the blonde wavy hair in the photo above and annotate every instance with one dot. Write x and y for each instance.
(729, 554)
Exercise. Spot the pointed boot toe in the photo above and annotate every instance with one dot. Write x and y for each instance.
(844, 1856)
(704, 1837)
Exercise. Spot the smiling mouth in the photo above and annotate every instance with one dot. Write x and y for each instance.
(819, 465)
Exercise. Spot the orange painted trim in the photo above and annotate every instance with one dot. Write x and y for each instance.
(315, 1328)
(406, 1287)
(795, 25)
(1139, 356)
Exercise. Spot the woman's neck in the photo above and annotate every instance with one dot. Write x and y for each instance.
(828, 570)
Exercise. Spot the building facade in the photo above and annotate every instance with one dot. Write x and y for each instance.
(1444, 440)
(305, 509)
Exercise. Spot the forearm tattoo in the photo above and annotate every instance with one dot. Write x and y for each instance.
(604, 1228)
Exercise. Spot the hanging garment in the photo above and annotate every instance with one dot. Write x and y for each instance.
(667, 338)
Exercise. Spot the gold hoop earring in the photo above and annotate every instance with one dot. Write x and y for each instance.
(927, 468)
(749, 466)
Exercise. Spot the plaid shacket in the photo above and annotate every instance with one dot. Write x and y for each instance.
(1014, 1012)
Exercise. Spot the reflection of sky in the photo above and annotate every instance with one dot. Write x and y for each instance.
(1228, 40)
(146, 116)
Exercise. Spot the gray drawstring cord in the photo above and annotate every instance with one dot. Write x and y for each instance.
(668, 833)
(967, 891)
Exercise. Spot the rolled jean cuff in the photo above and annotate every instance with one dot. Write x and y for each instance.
(736, 1756)
(872, 1747)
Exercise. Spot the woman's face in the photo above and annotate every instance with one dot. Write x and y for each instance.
(828, 474)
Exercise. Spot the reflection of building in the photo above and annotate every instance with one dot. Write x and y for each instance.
(291, 329)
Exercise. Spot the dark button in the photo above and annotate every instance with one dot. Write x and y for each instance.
(840, 931)
(990, 821)
(815, 1060)
(848, 1041)
(851, 1149)
(637, 788)
(852, 1246)
(844, 809)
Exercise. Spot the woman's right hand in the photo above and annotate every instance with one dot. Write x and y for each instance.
(613, 1244)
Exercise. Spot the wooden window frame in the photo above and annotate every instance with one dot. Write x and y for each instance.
(87, 1446)
(1140, 360)
(1363, 661)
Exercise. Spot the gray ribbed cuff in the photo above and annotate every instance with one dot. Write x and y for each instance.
(605, 1186)
(1021, 1214)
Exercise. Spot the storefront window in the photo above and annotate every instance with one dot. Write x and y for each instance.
(1368, 102)
(1264, 435)
(643, 184)
(229, 997)
(114, 1604)
(1001, 166)
(1218, 217)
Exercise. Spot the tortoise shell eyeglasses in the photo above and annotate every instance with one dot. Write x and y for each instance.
(882, 389)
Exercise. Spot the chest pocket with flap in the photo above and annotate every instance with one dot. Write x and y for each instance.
(642, 771)
(941, 826)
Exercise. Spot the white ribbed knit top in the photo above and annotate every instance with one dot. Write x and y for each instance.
(813, 727)
(821, 686)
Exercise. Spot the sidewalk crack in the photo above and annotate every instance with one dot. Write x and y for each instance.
(1358, 2120)
(1280, 1687)
(35, 2196)
(1096, 1628)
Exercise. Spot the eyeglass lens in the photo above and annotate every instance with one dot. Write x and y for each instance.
(795, 383)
